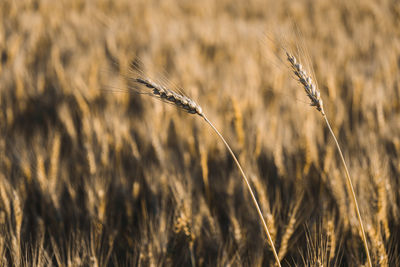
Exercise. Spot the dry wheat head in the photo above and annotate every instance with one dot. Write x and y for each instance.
(307, 82)
(170, 96)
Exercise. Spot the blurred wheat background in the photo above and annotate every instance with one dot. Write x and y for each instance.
(93, 177)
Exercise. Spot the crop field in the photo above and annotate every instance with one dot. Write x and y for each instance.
(96, 172)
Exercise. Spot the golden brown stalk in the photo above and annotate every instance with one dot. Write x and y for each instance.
(289, 231)
(192, 107)
(315, 97)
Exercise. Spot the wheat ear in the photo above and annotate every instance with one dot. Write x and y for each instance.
(192, 107)
(315, 97)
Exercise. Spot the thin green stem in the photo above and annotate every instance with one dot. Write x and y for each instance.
(251, 191)
(353, 194)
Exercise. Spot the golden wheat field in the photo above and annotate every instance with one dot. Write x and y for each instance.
(93, 174)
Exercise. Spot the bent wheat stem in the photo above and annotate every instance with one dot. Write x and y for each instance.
(249, 188)
(315, 97)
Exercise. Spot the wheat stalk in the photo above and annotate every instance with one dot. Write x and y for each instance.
(190, 106)
(315, 97)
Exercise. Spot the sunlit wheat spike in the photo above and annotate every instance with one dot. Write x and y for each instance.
(307, 82)
(170, 96)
